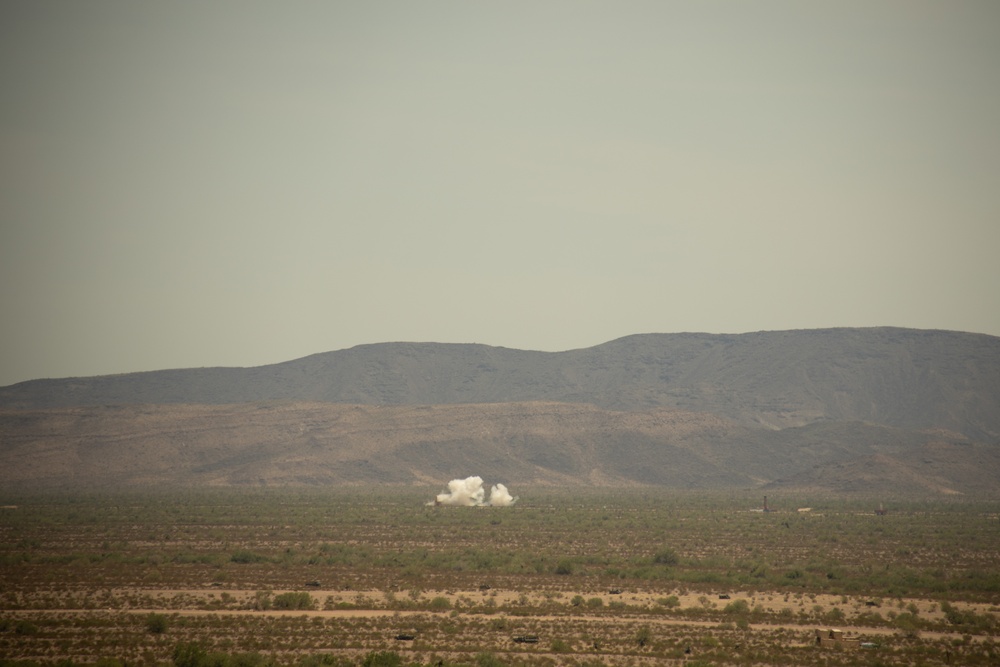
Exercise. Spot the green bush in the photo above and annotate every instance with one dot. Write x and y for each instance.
(189, 654)
(440, 603)
(488, 660)
(985, 622)
(156, 623)
(382, 659)
(244, 556)
(908, 624)
(666, 557)
(293, 600)
(219, 659)
(325, 660)
(25, 628)
(739, 607)
(834, 617)
(108, 662)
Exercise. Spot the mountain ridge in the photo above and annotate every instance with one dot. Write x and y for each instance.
(796, 409)
(902, 377)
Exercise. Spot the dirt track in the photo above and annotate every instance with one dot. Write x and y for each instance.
(928, 609)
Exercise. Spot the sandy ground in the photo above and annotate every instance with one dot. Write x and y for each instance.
(470, 602)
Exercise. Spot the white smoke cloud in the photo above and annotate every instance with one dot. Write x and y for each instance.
(469, 492)
(466, 492)
(500, 496)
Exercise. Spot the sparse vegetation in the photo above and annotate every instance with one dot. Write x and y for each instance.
(156, 623)
(254, 579)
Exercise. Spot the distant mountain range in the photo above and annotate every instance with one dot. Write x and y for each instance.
(883, 410)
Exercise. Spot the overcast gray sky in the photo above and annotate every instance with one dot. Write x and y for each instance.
(237, 183)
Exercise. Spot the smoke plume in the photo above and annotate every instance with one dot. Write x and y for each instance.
(469, 492)
(500, 496)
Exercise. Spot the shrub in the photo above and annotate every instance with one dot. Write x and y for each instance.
(292, 600)
(156, 623)
(908, 624)
(108, 662)
(244, 556)
(262, 600)
(834, 617)
(25, 628)
(595, 602)
(218, 659)
(559, 646)
(440, 603)
(983, 622)
(737, 607)
(670, 602)
(564, 567)
(382, 659)
(666, 557)
(189, 654)
(325, 660)
(488, 660)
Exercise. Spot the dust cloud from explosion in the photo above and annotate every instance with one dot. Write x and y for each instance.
(469, 492)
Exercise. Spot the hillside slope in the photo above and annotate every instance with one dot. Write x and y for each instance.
(516, 443)
(903, 378)
(845, 410)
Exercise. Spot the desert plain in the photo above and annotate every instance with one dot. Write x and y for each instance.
(381, 576)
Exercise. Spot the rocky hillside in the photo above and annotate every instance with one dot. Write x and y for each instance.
(515, 443)
(896, 377)
(849, 410)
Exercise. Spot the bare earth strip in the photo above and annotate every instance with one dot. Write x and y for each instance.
(927, 608)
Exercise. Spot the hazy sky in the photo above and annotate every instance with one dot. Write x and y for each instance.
(237, 183)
